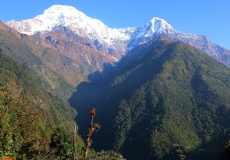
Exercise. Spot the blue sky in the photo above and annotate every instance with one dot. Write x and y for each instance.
(205, 17)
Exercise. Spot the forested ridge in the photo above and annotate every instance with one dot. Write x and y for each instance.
(164, 101)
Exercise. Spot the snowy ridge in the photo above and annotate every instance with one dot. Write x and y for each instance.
(120, 40)
(72, 18)
(85, 26)
(75, 20)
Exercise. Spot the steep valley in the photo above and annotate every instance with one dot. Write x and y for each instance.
(159, 93)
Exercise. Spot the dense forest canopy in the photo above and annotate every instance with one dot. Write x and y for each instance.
(161, 101)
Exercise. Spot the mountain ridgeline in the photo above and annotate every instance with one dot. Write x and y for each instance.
(162, 101)
(159, 93)
(74, 34)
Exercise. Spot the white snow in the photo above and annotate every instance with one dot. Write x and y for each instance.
(72, 18)
(94, 29)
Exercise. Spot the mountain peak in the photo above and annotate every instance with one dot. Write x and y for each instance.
(159, 25)
(60, 15)
(58, 7)
(75, 20)
(61, 12)
(54, 16)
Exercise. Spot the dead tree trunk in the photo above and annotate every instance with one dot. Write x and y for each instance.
(93, 127)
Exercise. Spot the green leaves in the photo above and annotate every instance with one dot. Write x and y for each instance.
(7, 125)
(62, 144)
(19, 127)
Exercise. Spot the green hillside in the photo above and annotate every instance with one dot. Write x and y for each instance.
(32, 57)
(32, 101)
(22, 85)
(28, 114)
(188, 100)
(163, 102)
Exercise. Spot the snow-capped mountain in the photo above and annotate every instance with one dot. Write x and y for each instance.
(114, 41)
(78, 22)
(157, 27)
(154, 27)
